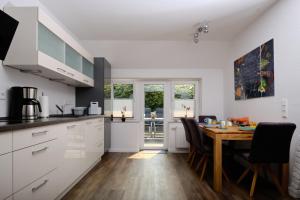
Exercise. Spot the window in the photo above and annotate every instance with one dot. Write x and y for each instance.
(122, 99)
(184, 100)
(107, 99)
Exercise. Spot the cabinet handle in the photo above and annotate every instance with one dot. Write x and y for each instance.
(40, 150)
(39, 133)
(86, 81)
(39, 186)
(72, 126)
(60, 69)
(70, 74)
(89, 122)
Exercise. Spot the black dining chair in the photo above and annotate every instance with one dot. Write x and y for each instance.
(201, 118)
(203, 147)
(188, 138)
(270, 144)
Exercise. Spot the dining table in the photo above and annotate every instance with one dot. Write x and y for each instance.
(219, 135)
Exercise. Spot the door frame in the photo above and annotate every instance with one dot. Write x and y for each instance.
(166, 110)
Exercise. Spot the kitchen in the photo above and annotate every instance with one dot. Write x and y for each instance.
(65, 61)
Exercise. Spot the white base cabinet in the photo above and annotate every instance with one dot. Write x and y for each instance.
(44, 188)
(33, 162)
(5, 165)
(51, 160)
(5, 175)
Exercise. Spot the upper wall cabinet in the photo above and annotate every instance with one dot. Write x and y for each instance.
(42, 47)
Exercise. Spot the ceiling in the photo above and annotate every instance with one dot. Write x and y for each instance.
(155, 19)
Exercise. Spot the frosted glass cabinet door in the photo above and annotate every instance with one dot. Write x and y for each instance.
(50, 44)
(87, 68)
(73, 59)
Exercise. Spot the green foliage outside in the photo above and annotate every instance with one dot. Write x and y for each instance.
(154, 96)
(123, 91)
(184, 91)
(154, 100)
(107, 91)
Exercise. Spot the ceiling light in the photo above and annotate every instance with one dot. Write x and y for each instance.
(203, 28)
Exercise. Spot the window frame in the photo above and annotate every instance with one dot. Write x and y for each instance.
(123, 81)
(196, 96)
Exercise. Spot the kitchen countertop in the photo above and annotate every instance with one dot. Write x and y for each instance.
(8, 125)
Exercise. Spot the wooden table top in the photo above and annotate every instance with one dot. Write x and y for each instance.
(230, 133)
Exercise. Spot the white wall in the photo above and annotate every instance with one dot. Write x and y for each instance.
(282, 23)
(161, 60)
(58, 93)
(161, 54)
(167, 60)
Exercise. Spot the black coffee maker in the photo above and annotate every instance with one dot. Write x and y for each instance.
(24, 104)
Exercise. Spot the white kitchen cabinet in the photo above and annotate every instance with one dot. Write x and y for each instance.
(74, 153)
(33, 136)
(177, 141)
(47, 166)
(5, 142)
(5, 175)
(33, 162)
(95, 140)
(45, 188)
(42, 47)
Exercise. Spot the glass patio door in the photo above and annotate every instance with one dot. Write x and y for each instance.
(154, 116)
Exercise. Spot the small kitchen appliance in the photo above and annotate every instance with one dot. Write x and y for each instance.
(94, 108)
(31, 107)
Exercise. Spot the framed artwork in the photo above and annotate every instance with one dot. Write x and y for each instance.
(254, 73)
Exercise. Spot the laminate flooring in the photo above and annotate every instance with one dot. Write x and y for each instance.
(155, 175)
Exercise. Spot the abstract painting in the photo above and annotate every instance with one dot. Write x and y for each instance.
(254, 73)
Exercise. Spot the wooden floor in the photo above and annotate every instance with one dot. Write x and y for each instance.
(153, 175)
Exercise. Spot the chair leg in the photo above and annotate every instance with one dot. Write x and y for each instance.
(193, 159)
(200, 162)
(243, 175)
(275, 180)
(225, 176)
(191, 151)
(256, 170)
(204, 167)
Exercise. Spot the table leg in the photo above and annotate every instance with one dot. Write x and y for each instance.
(217, 164)
(285, 177)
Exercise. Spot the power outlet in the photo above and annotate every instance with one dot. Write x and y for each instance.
(3, 95)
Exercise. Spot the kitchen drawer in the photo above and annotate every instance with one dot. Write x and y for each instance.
(44, 188)
(5, 175)
(5, 142)
(33, 136)
(33, 162)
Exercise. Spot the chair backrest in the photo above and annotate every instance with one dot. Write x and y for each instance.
(196, 133)
(201, 118)
(188, 136)
(271, 143)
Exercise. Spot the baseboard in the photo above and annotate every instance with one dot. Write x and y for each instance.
(124, 150)
(178, 150)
